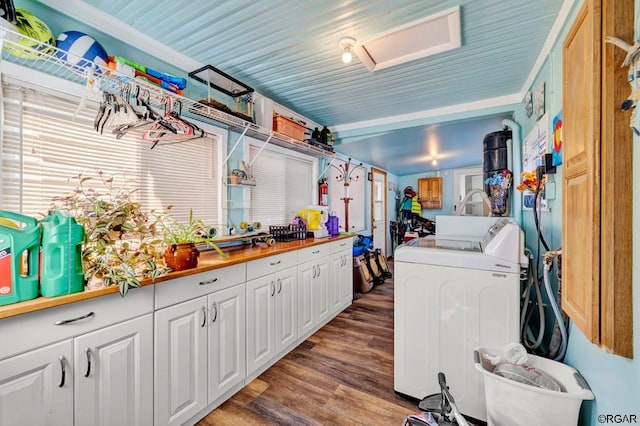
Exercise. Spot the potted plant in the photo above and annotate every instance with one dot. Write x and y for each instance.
(181, 239)
(122, 245)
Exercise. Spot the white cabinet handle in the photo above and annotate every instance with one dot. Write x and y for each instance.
(68, 321)
(214, 308)
(275, 263)
(208, 281)
(318, 270)
(204, 316)
(273, 288)
(314, 271)
(87, 352)
(279, 285)
(63, 368)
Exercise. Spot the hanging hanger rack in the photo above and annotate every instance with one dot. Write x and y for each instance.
(49, 61)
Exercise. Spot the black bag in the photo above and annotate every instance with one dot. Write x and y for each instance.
(370, 260)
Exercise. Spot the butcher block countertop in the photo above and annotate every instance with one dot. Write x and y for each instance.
(209, 260)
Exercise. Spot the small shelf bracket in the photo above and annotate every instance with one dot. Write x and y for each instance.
(235, 145)
(261, 148)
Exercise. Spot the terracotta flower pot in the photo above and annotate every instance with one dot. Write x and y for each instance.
(181, 256)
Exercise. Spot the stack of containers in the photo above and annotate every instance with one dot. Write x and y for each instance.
(43, 258)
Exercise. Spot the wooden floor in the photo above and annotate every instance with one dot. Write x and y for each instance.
(341, 375)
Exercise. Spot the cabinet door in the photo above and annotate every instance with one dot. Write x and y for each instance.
(36, 388)
(260, 322)
(286, 309)
(180, 366)
(346, 279)
(226, 340)
(335, 282)
(597, 163)
(114, 375)
(306, 298)
(430, 192)
(321, 284)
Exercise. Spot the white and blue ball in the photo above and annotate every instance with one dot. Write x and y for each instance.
(80, 50)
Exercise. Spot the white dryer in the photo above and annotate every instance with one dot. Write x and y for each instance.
(454, 293)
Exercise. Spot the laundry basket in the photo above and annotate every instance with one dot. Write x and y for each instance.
(513, 403)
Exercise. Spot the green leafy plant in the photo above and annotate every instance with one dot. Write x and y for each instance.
(194, 231)
(122, 244)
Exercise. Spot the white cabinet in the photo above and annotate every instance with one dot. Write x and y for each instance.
(341, 283)
(226, 340)
(36, 388)
(180, 361)
(113, 377)
(313, 289)
(271, 311)
(199, 353)
(50, 385)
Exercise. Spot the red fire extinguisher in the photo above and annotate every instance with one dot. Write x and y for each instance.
(323, 194)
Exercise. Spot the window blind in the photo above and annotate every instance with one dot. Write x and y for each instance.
(284, 185)
(43, 145)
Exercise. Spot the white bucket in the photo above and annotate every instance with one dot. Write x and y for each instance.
(512, 403)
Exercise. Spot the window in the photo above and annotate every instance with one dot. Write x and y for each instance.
(284, 185)
(44, 143)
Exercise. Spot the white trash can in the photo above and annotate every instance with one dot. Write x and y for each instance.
(512, 403)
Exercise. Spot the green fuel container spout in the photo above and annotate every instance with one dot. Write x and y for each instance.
(62, 240)
(19, 260)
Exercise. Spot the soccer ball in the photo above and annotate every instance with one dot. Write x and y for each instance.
(40, 36)
(80, 50)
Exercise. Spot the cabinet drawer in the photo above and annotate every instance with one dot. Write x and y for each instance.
(29, 331)
(268, 265)
(181, 289)
(315, 252)
(337, 246)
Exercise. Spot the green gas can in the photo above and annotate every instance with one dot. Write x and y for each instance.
(62, 240)
(19, 260)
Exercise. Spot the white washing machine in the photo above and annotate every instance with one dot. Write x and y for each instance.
(453, 293)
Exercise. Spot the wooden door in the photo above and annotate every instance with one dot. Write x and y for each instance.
(581, 174)
(379, 208)
(227, 365)
(36, 387)
(430, 192)
(180, 386)
(597, 207)
(113, 376)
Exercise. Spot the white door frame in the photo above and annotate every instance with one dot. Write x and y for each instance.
(383, 244)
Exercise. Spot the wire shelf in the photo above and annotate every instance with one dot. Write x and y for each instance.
(28, 52)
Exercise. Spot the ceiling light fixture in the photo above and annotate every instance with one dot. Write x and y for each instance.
(346, 44)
